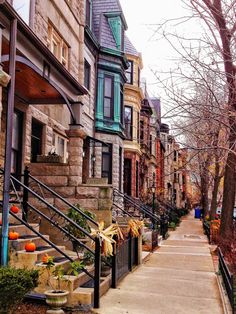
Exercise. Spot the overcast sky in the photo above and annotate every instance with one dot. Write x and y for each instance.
(141, 16)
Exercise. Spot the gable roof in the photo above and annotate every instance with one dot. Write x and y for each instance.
(129, 47)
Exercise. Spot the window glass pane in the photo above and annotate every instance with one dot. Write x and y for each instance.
(107, 107)
(60, 146)
(87, 72)
(129, 73)
(108, 87)
(22, 7)
(106, 163)
(128, 122)
(15, 132)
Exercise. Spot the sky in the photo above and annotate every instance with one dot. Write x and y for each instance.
(141, 17)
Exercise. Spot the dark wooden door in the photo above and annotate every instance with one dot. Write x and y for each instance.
(127, 176)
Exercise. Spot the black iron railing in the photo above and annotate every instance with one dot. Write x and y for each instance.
(206, 228)
(125, 259)
(228, 280)
(60, 221)
(131, 205)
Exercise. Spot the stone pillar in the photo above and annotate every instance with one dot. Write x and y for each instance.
(75, 154)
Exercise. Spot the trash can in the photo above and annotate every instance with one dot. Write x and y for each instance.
(198, 212)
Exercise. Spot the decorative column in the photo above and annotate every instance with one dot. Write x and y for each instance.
(75, 150)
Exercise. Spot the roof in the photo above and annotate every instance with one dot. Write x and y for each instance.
(101, 27)
(129, 48)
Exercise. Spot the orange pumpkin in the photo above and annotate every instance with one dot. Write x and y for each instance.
(14, 209)
(13, 235)
(30, 247)
(45, 258)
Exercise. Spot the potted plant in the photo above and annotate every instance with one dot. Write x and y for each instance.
(79, 220)
(50, 158)
(57, 296)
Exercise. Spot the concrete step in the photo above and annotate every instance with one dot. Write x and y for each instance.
(23, 230)
(29, 259)
(85, 295)
(19, 245)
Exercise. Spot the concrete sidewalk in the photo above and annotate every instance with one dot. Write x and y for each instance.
(178, 278)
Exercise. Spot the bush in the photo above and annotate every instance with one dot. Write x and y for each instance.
(172, 225)
(14, 284)
(80, 220)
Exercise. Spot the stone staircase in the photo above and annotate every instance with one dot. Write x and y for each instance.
(80, 288)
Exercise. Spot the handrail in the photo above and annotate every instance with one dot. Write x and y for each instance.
(50, 243)
(140, 207)
(54, 208)
(56, 211)
(123, 210)
(64, 200)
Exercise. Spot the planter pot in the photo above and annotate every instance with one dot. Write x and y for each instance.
(49, 158)
(56, 299)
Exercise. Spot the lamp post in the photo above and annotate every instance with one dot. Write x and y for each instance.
(153, 202)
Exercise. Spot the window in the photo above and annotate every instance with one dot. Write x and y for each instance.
(36, 139)
(108, 97)
(107, 162)
(175, 155)
(22, 7)
(87, 74)
(138, 127)
(137, 179)
(128, 122)
(58, 46)
(138, 77)
(141, 131)
(150, 144)
(121, 105)
(183, 179)
(129, 73)
(88, 13)
(120, 168)
(60, 146)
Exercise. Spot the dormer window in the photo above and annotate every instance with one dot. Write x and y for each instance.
(129, 73)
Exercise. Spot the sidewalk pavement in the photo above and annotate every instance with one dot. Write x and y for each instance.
(178, 278)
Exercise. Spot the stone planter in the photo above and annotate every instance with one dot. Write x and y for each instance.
(56, 299)
(49, 158)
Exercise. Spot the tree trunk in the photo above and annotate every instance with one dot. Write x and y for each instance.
(217, 179)
(229, 183)
(205, 187)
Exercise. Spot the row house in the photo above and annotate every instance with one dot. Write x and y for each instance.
(176, 176)
(132, 107)
(105, 66)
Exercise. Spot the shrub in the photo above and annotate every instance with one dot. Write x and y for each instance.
(172, 225)
(80, 220)
(14, 284)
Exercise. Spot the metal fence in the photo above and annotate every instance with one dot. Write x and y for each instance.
(206, 228)
(228, 280)
(125, 259)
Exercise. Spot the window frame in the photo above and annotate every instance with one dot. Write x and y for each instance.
(130, 71)
(107, 152)
(130, 123)
(88, 15)
(111, 97)
(55, 144)
(55, 38)
(40, 138)
(87, 78)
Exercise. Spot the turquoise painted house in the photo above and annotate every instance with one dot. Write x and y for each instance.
(105, 29)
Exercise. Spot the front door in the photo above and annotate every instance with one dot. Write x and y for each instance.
(16, 162)
(127, 176)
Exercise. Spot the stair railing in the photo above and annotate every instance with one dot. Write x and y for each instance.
(57, 220)
(140, 207)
